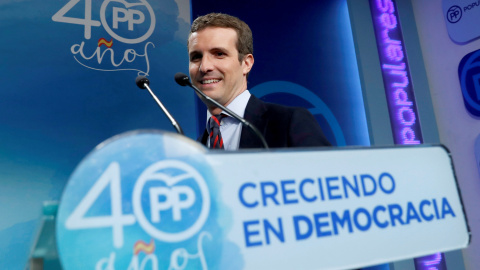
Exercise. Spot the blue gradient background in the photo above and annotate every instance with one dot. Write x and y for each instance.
(54, 111)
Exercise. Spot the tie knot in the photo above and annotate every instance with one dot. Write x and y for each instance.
(216, 141)
(216, 120)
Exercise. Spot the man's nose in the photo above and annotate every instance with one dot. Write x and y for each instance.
(206, 64)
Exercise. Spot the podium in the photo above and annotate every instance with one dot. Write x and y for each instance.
(157, 200)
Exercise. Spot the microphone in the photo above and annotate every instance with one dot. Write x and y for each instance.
(143, 83)
(183, 80)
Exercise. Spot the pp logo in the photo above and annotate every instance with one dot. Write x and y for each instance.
(454, 14)
(171, 201)
(130, 15)
(469, 75)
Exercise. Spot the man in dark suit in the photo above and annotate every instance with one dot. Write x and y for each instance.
(220, 49)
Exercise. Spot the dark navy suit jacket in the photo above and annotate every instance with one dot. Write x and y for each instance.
(281, 126)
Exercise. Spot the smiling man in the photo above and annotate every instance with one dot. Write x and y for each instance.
(220, 49)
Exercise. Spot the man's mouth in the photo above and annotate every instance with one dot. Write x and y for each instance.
(210, 81)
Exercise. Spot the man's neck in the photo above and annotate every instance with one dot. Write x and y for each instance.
(237, 105)
(215, 110)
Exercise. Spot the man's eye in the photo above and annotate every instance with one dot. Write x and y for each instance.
(195, 57)
(220, 54)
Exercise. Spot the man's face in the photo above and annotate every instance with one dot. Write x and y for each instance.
(214, 66)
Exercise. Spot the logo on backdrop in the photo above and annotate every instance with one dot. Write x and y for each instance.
(469, 76)
(115, 34)
(454, 14)
(319, 107)
(461, 19)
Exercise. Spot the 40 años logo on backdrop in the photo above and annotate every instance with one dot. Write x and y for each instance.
(116, 34)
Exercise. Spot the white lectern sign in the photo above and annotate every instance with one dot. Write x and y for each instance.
(160, 201)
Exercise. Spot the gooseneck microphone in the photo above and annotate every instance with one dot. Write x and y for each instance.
(183, 80)
(143, 83)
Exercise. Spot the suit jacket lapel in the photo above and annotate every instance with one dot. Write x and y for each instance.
(255, 113)
(203, 138)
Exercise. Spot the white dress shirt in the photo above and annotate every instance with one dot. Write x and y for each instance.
(231, 128)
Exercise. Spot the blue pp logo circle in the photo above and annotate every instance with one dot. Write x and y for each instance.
(469, 76)
(172, 187)
(454, 14)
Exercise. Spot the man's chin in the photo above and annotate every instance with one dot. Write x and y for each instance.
(211, 93)
(208, 94)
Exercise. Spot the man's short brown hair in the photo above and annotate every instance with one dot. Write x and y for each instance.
(244, 34)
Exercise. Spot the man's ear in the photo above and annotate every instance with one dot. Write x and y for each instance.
(247, 63)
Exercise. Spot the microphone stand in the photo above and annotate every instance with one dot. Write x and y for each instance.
(143, 83)
(184, 80)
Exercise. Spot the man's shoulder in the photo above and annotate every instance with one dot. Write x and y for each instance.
(274, 107)
(284, 113)
(285, 126)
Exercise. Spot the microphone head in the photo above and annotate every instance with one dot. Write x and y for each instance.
(182, 79)
(141, 81)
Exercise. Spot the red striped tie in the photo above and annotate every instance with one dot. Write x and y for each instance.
(216, 141)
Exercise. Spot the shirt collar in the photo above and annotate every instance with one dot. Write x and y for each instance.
(238, 105)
